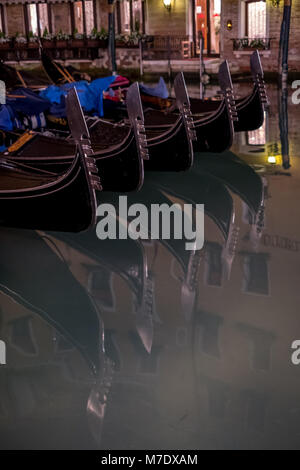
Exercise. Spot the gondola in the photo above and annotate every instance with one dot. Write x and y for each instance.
(251, 109)
(56, 72)
(169, 148)
(129, 142)
(45, 201)
(223, 118)
(14, 78)
(119, 150)
(173, 141)
(218, 123)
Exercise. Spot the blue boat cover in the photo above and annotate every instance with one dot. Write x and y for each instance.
(160, 91)
(6, 118)
(27, 103)
(90, 95)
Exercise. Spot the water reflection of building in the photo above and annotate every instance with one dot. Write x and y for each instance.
(45, 384)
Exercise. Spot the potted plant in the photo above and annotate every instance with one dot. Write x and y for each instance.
(62, 40)
(47, 40)
(103, 38)
(5, 42)
(93, 39)
(122, 40)
(129, 40)
(258, 44)
(77, 39)
(20, 41)
(33, 40)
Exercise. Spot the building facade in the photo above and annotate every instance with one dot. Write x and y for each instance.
(231, 29)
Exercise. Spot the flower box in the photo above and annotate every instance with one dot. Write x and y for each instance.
(48, 44)
(33, 45)
(21, 45)
(61, 43)
(5, 45)
(77, 43)
(126, 45)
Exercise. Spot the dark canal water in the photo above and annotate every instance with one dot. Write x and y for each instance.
(78, 315)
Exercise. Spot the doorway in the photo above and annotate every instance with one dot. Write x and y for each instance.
(207, 20)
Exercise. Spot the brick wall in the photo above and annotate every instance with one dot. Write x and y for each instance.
(102, 14)
(61, 18)
(162, 22)
(15, 19)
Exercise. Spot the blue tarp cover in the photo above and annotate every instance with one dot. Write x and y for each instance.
(6, 118)
(90, 95)
(32, 104)
(160, 91)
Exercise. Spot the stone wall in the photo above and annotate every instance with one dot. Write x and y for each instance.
(233, 10)
(126, 59)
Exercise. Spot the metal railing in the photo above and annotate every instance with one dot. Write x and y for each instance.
(64, 50)
(166, 47)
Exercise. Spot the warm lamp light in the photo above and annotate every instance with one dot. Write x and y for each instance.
(167, 4)
(272, 160)
(229, 25)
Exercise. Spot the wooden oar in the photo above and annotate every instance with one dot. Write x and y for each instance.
(64, 73)
(17, 96)
(21, 79)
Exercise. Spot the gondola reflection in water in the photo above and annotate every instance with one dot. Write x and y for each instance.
(78, 311)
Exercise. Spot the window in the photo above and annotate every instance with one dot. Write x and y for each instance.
(256, 19)
(43, 17)
(126, 15)
(131, 16)
(78, 17)
(89, 16)
(256, 274)
(213, 265)
(1, 19)
(38, 18)
(137, 15)
(84, 16)
(33, 19)
(258, 137)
